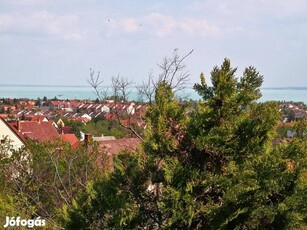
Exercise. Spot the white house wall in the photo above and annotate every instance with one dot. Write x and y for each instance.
(5, 131)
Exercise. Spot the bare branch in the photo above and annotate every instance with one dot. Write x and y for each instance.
(173, 71)
(60, 179)
(104, 93)
(95, 82)
(120, 87)
(147, 89)
(129, 125)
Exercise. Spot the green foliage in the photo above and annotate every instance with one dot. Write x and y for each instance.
(11, 201)
(115, 202)
(98, 127)
(300, 129)
(44, 177)
(100, 117)
(209, 167)
(106, 128)
(282, 131)
(214, 169)
(76, 126)
(165, 123)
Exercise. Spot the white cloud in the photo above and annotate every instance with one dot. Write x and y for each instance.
(282, 7)
(128, 24)
(26, 2)
(160, 24)
(199, 27)
(238, 8)
(42, 23)
(165, 25)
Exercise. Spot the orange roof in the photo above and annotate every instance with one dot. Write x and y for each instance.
(111, 116)
(128, 122)
(41, 131)
(114, 146)
(71, 139)
(36, 118)
(4, 115)
(80, 119)
(65, 130)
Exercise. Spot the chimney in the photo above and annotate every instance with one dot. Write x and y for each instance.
(87, 138)
(18, 125)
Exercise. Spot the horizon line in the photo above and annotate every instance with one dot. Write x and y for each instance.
(103, 86)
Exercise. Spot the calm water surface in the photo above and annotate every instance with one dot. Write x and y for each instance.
(86, 92)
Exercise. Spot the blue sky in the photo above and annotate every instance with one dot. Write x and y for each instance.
(56, 42)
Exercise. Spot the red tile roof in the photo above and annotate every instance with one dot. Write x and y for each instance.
(36, 118)
(65, 130)
(41, 131)
(111, 116)
(4, 115)
(114, 146)
(128, 122)
(71, 139)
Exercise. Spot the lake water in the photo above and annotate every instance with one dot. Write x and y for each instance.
(86, 92)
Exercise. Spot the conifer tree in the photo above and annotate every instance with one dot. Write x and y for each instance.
(209, 167)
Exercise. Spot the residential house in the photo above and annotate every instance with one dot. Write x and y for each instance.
(35, 130)
(86, 116)
(104, 138)
(8, 132)
(60, 123)
(37, 118)
(130, 109)
(113, 147)
(105, 109)
(64, 130)
(65, 105)
(71, 139)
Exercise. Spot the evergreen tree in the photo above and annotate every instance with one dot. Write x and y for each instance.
(212, 167)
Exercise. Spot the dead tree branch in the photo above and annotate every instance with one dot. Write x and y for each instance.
(95, 83)
(146, 90)
(173, 71)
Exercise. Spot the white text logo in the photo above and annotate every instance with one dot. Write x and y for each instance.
(31, 223)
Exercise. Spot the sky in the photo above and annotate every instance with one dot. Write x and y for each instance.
(56, 42)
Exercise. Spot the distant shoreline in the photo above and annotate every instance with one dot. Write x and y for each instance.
(86, 92)
(104, 86)
(52, 86)
(284, 88)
